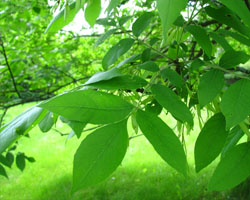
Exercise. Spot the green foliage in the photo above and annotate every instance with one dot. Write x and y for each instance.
(94, 165)
(146, 75)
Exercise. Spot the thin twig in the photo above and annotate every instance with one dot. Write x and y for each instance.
(8, 65)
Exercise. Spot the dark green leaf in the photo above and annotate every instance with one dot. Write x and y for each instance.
(172, 76)
(30, 159)
(210, 141)
(121, 82)
(154, 107)
(201, 37)
(171, 102)
(233, 137)
(92, 11)
(233, 58)
(163, 139)
(211, 84)
(240, 8)
(149, 66)
(77, 127)
(99, 155)
(232, 169)
(225, 16)
(169, 11)
(145, 56)
(20, 126)
(235, 104)
(221, 40)
(3, 172)
(4, 161)
(240, 38)
(141, 23)
(116, 51)
(20, 161)
(10, 158)
(47, 122)
(89, 106)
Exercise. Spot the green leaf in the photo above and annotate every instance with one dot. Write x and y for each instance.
(235, 104)
(163, 139)
(233, 58)
(47, 122)
(58, 22)
(240, 38)
(172, 103)
(169, 11)
(225, 16)
(149, 66)
(128, 60)
(112, 5)
(105, 36)
(211, 84)
(92, 11)
(99, 155)
(141, 23)
(121, 82)
(89, 106)
(21, 125)
(221, 40)
(77, 127)
(116, 51)
(154, 107)
(240, 8)
(3, 172)
(201, 37)
(210, 141)
(233, 138)
(20, 161)
(7, 160)
(172, 76)
(232, 169)
(103, 76)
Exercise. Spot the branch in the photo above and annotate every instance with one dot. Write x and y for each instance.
(8, 65)
(247, 4)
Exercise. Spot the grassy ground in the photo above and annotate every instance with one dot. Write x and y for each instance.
(142, 175)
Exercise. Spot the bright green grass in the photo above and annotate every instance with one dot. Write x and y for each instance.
(142, 175)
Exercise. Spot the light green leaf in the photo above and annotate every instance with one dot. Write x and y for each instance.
(141, 23)
(103, 76)
(112, 5)
(240, 8)
(105, 36)
(149, 66)
(232, 169)
(201, 37)
(163, 139)
(58, 22)
(169, 11)
(233, 137)
(21, 125)
(210, 141)
(99, 155)
(172, 103)
(47, 122)
(121, 82)
(211, 84)
(92, 11)
(233, 58)
(77, 127)
(116, 51)
(235, 104)
(128, 60)
(172, 76)
(89, 106)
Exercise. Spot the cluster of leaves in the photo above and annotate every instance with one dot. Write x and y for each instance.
(194, 66)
